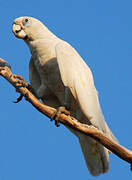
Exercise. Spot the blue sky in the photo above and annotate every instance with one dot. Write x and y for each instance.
(31, 147)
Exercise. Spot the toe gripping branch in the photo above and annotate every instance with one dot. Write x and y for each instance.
(59, 111)
(20, 82)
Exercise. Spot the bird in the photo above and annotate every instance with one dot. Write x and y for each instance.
(61, 78)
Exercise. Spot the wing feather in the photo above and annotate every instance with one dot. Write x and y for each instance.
(78, 77)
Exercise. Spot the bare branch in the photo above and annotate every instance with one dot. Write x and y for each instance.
(68, 121)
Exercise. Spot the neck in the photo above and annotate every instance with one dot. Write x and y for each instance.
(44, 48)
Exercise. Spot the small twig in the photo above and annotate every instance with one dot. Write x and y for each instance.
(68, 121)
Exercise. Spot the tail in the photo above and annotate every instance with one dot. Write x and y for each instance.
(96, 156)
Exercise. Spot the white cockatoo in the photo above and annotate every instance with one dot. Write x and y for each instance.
(60, 77)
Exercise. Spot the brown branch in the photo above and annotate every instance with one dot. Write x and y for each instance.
(68, 121)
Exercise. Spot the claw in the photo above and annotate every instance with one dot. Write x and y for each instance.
(18, 99)
(20, 80)
(60, 110)
(57, 123)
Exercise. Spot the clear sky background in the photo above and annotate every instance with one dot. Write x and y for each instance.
(31, 147)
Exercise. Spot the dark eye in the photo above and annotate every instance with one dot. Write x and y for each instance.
(26, 22)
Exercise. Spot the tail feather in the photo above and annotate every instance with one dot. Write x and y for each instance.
(96, 156)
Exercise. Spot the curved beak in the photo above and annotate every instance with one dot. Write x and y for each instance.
(18, 31)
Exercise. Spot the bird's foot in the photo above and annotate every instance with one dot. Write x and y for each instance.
(20, 82)
(60, 110)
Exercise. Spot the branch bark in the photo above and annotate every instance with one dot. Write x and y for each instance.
(117, 149)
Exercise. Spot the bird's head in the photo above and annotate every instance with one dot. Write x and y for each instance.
(28, 28)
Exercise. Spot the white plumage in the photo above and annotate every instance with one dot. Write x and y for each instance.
(59, 76)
